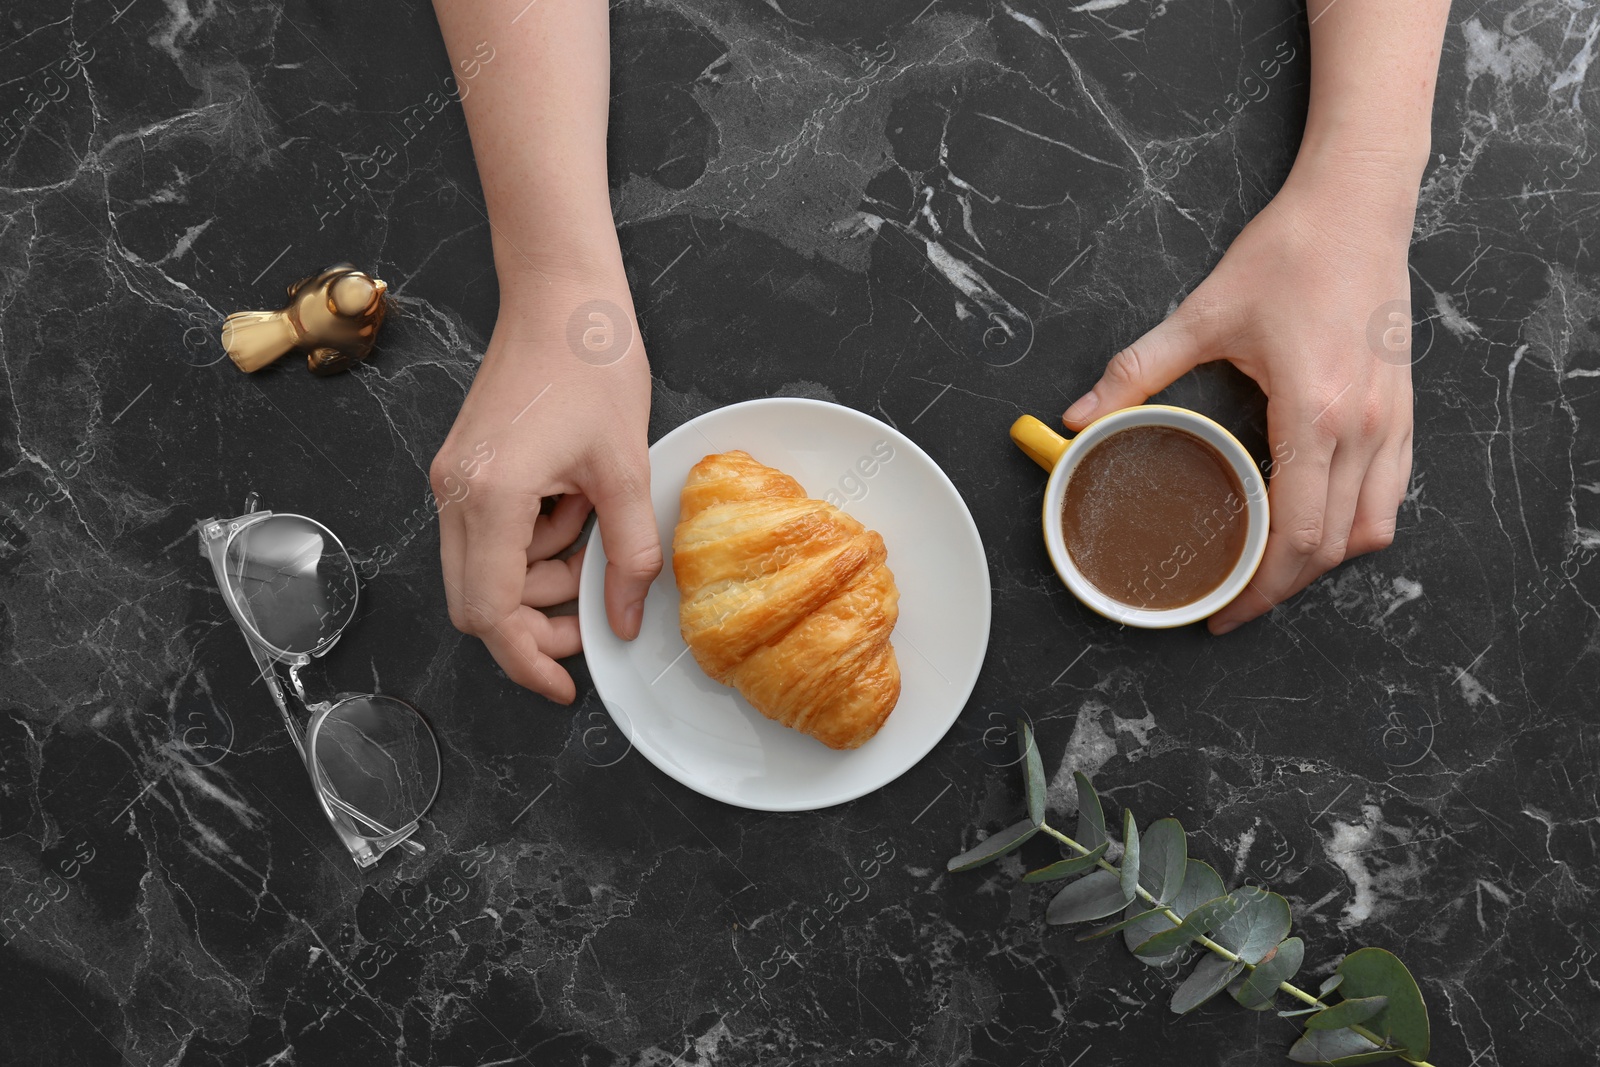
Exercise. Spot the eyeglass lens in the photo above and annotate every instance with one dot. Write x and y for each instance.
(293, 582)
(377, 755)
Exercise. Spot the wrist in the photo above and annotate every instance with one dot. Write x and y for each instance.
(578, 250)
(570, 317)
(1398, 156)
(1361, 186)
(1387, 151)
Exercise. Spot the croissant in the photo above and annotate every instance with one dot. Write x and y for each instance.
(787, 599)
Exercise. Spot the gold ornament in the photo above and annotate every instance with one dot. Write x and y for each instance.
(333, 317)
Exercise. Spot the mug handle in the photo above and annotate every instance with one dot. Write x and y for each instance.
(1042, 444)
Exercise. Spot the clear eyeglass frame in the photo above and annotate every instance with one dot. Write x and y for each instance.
(376, 748)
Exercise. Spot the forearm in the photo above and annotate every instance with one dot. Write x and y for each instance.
(1373, 67)
(537, 117)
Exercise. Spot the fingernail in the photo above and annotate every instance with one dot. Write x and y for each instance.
(631, 619)
(1083, 407)
(1218, 629)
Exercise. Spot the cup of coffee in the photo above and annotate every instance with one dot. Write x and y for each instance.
(1154, 516)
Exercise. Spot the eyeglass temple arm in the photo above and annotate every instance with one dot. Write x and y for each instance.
(211, 547)
(358, 816)
(360, 848)
(355, 813)
(269, 674)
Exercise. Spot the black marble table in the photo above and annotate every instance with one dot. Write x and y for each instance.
(944, 214)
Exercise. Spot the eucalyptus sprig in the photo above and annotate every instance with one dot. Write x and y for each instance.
(1171, 903)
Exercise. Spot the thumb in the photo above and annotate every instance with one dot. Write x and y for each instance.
(621, 495)
(1144, 368)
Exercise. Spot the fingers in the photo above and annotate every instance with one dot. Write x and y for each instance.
(493, 559)
(1381, 496)
(1345, 477)
(553, 581)
(515, 643)
(1361, 485)
(560, 640)
(1153, 362)
(557, 530)
(1297, 500)
(485, 574)
(621, 496)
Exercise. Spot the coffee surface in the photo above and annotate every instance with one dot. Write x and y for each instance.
(1154, 517)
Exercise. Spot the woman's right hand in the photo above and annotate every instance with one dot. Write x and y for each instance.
(560, 406)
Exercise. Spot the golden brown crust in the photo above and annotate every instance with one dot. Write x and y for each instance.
(787, 599)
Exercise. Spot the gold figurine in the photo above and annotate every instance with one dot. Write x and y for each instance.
(333, 317)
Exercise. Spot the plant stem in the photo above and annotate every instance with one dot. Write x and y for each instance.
(1232, 957)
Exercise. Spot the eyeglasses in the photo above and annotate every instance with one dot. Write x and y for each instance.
(291, 587)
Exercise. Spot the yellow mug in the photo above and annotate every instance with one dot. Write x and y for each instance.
(1060, 455)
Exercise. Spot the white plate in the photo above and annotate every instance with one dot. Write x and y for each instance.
(706, 735)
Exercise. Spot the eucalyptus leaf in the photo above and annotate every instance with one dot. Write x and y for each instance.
(1338, 1047)
(1163, 859)
(994, 846)
(1144, 929)
(1106, 931)
(1032, 773)
(1261, 922)
(1207, 979)
(1258, 988)
(1200, 884)
(1374, 972)
(1092, 897)
(1130, 854)
(1254, 959)
(1347, 1013)
(1199, 922)
(1091, 818)
(1067, 868)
